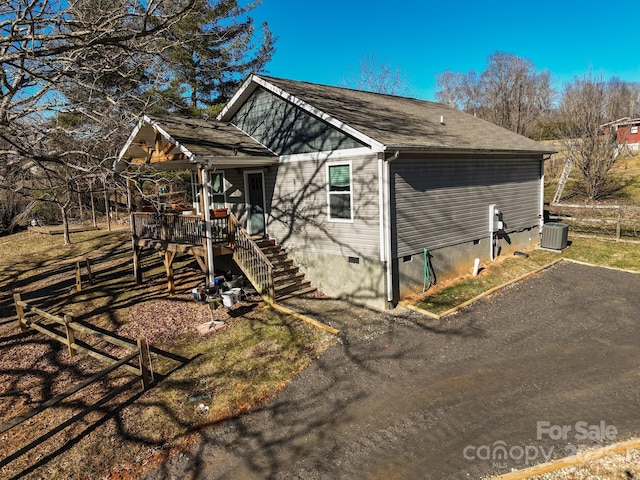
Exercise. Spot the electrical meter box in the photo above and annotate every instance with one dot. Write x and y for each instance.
(495, 224)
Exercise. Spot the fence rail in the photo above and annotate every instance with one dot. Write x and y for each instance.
(621, 222)
(139, 350)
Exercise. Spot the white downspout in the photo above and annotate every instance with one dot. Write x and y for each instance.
(387, 224)
(207, 222)
(541, 226)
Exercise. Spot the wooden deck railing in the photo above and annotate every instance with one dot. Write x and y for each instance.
(190, 230)
(173, 228)
(253, 262)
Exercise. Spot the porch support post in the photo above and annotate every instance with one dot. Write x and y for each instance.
(129, 196)
(207, 222)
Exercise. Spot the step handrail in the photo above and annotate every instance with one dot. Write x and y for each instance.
(251, 259)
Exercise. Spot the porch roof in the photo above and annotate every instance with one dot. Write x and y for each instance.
(170, 143)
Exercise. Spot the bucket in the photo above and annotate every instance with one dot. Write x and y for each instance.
(198, 293)
(228, 299)
(237, 292)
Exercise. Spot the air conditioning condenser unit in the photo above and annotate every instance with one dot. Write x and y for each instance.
(554, 236)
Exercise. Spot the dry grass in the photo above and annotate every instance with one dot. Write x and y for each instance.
(229, 372)
(625, 175)
(445, 296)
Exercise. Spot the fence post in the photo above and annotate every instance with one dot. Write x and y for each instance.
(168, 263)
(71, 336)
(78, 277)
(145, 372)
(89, 271)
(20, 312)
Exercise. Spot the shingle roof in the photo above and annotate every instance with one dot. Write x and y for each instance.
(210, 138)
(400, 122)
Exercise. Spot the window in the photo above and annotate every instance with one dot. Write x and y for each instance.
(216, 189)
(634, 128)
(340, 194)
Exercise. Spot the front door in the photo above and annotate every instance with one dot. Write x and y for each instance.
(255, 203)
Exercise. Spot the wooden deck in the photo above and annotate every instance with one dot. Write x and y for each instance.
(172, 234)
(197, 250)
(263, 263)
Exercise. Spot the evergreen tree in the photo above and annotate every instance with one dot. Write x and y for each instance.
(211, 50)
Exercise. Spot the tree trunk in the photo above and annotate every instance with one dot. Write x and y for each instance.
(65, 225)
(93, 204)
(106, 205)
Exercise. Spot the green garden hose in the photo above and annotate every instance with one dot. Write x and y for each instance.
(426, 284)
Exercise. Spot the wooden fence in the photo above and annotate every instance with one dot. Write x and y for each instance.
(619, 222)
(89, 263)
(46, 323)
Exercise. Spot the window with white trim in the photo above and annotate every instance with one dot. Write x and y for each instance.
(216, 190)
(340, 192)
(634, 128)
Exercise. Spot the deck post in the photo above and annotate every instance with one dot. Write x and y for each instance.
(137, 268)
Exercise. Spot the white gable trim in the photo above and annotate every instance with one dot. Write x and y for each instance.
(128, 143)
(245, 90)
(249, 86)
(169, 138)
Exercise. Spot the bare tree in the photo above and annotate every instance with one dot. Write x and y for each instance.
(377, 78)
(509, 93)
(75, 71)
(514, 94)
(72, 57)
(623, 99)
(583, 108)
(451, 88)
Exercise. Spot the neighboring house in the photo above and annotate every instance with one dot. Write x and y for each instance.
(627, 132)
(359, 187)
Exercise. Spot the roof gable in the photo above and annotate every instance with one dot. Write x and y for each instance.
(387, 121)
(177, 142)
(286, 128)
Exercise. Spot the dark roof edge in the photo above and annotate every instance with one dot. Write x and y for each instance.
(425, 149)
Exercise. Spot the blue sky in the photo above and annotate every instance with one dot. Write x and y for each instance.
(322, 42)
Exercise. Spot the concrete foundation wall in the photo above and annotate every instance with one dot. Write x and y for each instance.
(457, 260)
(341, 277)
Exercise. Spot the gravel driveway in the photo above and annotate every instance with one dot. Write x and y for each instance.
(544, 366)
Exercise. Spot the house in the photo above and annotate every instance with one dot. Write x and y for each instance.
(359, 189)
(626, 131)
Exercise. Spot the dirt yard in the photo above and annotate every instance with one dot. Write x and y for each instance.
(103, 432)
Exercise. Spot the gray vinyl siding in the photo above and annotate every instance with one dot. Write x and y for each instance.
(443, 202)
(235, 191)
(298, 209)
(287, 129)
